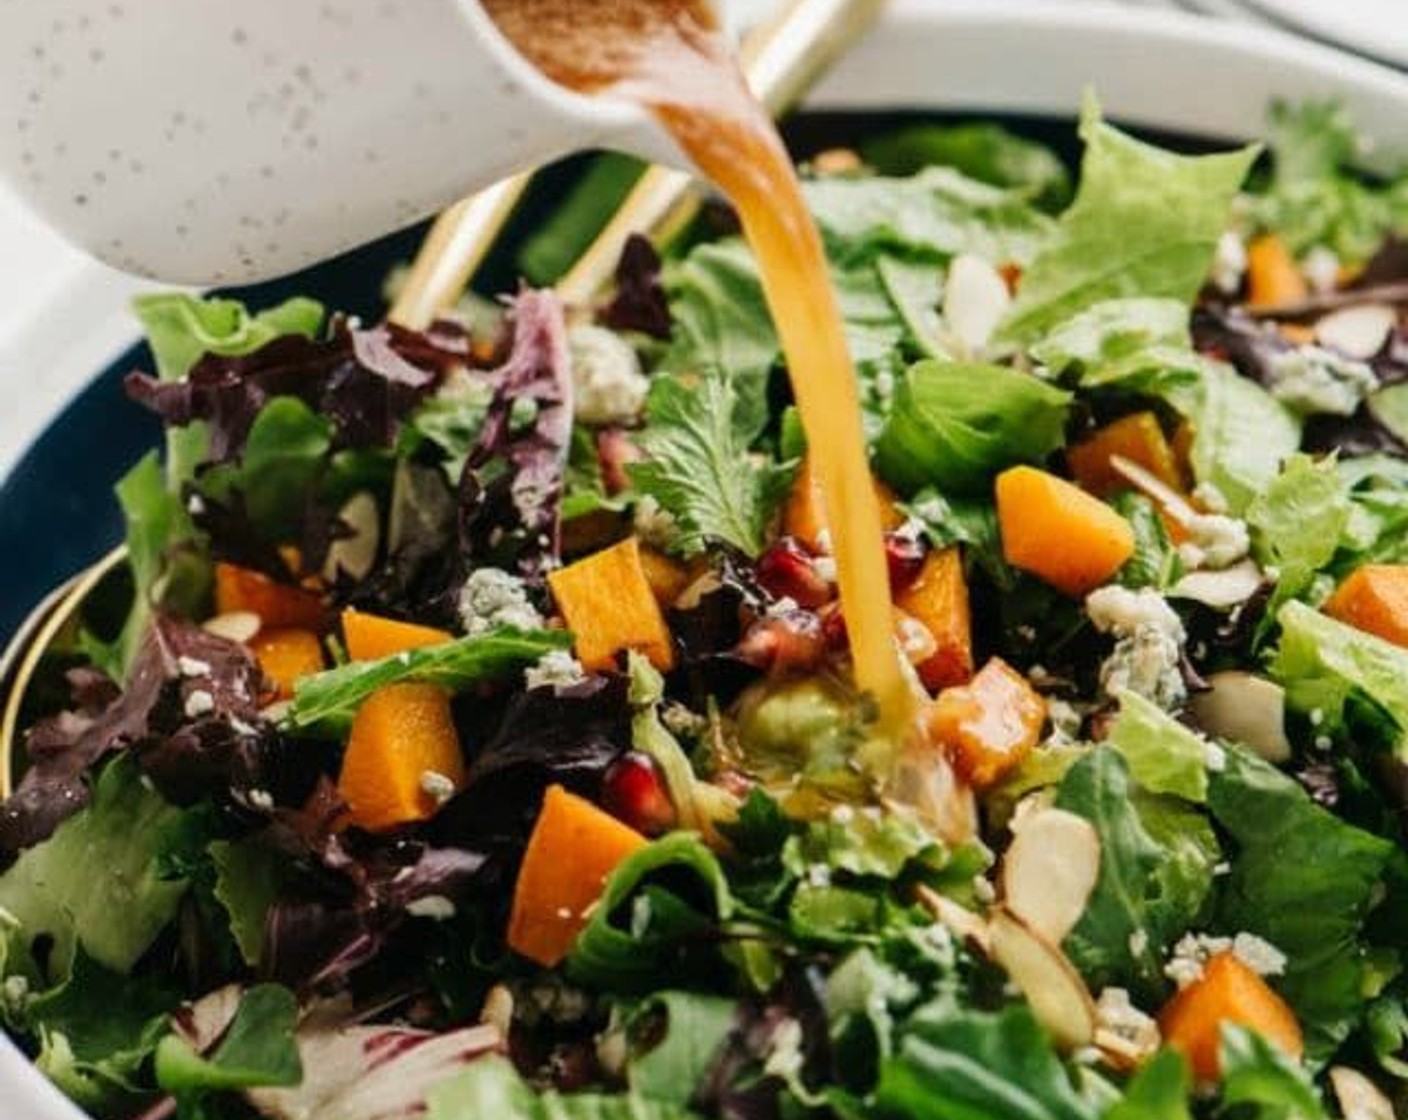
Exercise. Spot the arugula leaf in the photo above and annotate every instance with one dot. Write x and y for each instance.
(956, 424)
(327, 701)
(974, 1065)
(1260, 1083)
(1159, 1091)
(1145, 222)
(1297, 523)
(1155, 562)
(257, 1049)
(1163, 755)
(1325, 665)
(699, 467)
(933, 215)
(96, 1031)
(695, 1027)
(1305, 881)
(491, 1087)
(986, 152)
(51, 896)
(646, 931)
(248, 877)
(1148, 891)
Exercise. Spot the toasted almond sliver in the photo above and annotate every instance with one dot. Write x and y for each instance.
(1359, 332)
(355, 554)
(1059, 998)
(233, 626)
(1049, 871)
(958, 920)
(1360, 1098)
(1246, 709)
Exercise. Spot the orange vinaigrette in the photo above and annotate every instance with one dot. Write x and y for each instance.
(670, 56)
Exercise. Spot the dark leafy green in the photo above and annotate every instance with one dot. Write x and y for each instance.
(257, 1049)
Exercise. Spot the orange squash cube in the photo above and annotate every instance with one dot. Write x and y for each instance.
(402, 757)
(370, 637)
(1139, 438)
(804, 516)
(1274, 279)
(286, 655)
(1059, 533)
(608, 604)
(573, 850)
(939, 599)
(277, 604)
(1374, 598)
(667, 577)
(988, 725)
(1228, 991)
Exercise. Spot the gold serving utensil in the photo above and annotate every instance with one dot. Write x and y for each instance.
(782, 58)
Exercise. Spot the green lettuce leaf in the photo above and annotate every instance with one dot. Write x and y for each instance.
(1305, 881)
(1145, 222)
(51, 895)
(491, 1087)
(1297, 523)
(977, 1065)
(1155, 562)
(1155, 873)
(1163, 755)
(986, 152)
(96, 1032)
(327, 701)
(1139, 343)
(257, 1049)
(1159, 1091)
(248, 877)
(1260, 1083)
(699, 467)
(695, 1027)
(954, 425)
(1328, 667)
(934, 215)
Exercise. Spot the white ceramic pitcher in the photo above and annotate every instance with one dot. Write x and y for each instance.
(210, 142)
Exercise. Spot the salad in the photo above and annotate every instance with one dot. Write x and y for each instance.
(479, 740)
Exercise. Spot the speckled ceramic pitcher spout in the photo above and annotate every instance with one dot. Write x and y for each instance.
(207, 142)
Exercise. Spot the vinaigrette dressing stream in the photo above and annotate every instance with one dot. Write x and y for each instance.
(670, 56)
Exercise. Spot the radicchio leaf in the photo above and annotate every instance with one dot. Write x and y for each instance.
(190, 710)
(640, 303)
(511, 488)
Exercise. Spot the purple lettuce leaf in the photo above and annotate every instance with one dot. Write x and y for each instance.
(640, 303)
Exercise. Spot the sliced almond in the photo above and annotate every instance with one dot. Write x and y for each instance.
(1244, 708)
(1049, 870)
(1058, 996)
(1360, 1098)
(965, 925)
(233, 626)
(1220, 589)
(355, 554)
(1360, 332)
(975, 299)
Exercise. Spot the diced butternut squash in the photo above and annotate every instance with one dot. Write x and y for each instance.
(1374, 598)
(1273, 276)
(988, 725)
(805, 514)
(277, 604)
(667, 577)
(1055, 530)
(609, 606)
(573, 849)
(370, 637)
(403, 757)
(939, 599)
(1228, 991)
(1139, 438)
(286, 655)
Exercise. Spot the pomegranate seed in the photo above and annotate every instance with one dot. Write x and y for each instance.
(786, 571)
(634, 793)
(904, 555)
(791, 642)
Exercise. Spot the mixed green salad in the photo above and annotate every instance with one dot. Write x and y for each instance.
(480, 740)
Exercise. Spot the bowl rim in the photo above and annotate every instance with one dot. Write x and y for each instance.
(1061, 46)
